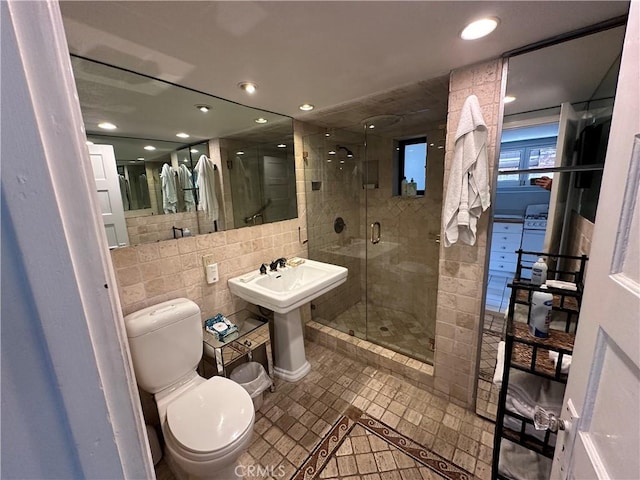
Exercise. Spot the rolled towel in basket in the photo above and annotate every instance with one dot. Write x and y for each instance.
(566, 361)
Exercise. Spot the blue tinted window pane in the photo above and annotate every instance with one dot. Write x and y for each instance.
(415, 161)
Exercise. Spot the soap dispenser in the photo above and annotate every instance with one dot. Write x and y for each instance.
(403, 187)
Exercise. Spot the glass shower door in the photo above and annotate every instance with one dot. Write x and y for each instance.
(402, 252)
(335, 219)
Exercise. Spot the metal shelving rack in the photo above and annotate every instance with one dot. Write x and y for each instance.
(531, 354)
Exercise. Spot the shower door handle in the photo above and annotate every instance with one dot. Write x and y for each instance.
(375, 238)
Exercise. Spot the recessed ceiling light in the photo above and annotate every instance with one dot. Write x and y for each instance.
(107, 126)
(372, 126)
(193, 150)
(479, 28)
(509, 99)
(248, 87)
(203, 108)
(182, 135)
(327, 134)
(328, 160)
(240, 153)
(140, 158)
(332, 152)
(151, 148)
(89, 142)
(282, 145)
(305, 107)
(261, 120)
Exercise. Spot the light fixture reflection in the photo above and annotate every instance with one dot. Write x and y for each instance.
(107, 126)
(509, 99)
(305, 107)
(182, 135)
(261, 120)
(151, 148)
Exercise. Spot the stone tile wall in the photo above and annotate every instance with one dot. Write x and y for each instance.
(462, 267)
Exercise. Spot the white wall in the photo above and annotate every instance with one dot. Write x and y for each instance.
(68, 395)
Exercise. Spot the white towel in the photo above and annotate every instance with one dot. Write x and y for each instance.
(520, 463)
(169, 196)
(527, 390)
(566, 361)
(468, 189)
(206, 180)
(184, 177)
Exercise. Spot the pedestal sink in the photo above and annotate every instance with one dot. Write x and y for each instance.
(285, 291)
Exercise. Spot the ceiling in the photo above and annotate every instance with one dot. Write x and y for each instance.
(352, 60)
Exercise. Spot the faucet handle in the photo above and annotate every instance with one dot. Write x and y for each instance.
(282, 262)
(263, 269)
(273, 266)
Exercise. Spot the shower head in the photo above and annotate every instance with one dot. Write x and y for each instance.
(349, 152)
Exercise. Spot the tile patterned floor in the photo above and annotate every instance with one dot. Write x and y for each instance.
(293, 420)
(399, 331)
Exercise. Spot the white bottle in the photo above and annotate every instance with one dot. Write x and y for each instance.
(403, 187)
(186, 232)
(540, 314)
(539, 272)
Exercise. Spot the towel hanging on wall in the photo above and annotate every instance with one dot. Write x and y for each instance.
(468, 189)
(206, 183)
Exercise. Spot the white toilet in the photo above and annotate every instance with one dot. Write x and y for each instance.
(207, 424)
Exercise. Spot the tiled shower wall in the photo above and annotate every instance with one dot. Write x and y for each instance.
(332, 190)
(462, 267)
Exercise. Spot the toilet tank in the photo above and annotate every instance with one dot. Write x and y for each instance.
(165, 342)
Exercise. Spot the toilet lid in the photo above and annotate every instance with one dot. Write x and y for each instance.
(210, 416)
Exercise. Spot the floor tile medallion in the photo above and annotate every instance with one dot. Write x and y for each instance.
(359, 445)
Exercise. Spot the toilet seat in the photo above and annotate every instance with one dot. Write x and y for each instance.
(211, 416)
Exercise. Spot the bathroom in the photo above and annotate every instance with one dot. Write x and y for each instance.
(460, 271)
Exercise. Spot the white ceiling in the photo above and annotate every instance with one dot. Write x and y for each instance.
(328, 53)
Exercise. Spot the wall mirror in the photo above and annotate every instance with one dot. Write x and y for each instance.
(557, 127)
(152, 124)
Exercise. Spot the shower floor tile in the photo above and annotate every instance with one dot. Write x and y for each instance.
(398, 331)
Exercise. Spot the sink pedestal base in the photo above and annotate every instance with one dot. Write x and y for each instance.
(290, 359)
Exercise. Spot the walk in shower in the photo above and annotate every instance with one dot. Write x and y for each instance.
(358, 218)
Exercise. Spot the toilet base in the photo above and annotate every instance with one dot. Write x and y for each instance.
(228, 473)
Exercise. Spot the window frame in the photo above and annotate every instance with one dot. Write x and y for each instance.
(525, 147)
(401, 148)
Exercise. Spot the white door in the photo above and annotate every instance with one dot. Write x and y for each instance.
(105, 173)
(604, 381)
(277, 188)
(567, 134)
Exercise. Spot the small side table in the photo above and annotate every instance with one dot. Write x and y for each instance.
(253, 332)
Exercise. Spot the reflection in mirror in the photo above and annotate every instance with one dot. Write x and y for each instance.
(552, 152)
(160, 127)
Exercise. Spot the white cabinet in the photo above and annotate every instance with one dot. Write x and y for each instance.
(506, 239)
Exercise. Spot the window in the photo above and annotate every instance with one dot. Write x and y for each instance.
(525, 154)
(413, 162)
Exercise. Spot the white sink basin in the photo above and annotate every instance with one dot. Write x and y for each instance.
(289, 287)
(284, 292)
